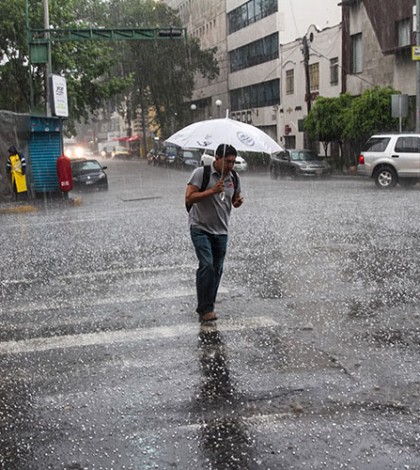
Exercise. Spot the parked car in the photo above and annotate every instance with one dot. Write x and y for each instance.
(298, 162)
(390, 159)
(167, 155)
(207, 158)
(89, 174)
(120, 152)
(189, 159)
(240, 164)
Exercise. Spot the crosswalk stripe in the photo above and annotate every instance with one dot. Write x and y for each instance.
(126, 336)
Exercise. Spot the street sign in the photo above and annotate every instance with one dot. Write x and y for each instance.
(415, 53)
(59, 96)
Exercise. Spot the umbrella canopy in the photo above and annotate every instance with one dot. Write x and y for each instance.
(213, 132)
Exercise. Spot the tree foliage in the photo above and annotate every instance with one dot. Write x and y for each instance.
(326, 120)
(102, 74)
(163, 70)
(351, 119)
(370, 113)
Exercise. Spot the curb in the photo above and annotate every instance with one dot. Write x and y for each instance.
(26, 208)
(18, 209)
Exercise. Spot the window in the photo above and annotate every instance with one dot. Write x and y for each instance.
(376, 144)
(250, 12)
(334, 71)
(290, 82)
(408, 145)
(255, 53)
(256, 96)
(403, 28)
(357, 62)
(314, 76)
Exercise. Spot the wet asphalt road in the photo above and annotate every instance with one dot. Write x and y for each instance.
(314, 363)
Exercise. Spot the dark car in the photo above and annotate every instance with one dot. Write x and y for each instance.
(167, 155)
(190, 159)
(89, 174)
(298, 163)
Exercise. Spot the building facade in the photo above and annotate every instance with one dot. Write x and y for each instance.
(377, 45)
(257, 42)
(206, 21)
(323, 67)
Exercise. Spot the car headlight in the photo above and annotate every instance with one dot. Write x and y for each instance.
(79, 152)
(102, 176)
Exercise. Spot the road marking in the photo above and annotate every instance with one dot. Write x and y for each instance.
(106, 273)
(79, 303)
(146, 198)
(255, 420)
(136, 335)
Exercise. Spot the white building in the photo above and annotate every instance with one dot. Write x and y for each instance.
(251, 37)
(324, 49)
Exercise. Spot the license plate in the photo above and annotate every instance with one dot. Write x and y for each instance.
(89, 182)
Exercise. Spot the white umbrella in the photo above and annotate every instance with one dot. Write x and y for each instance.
(213, 132)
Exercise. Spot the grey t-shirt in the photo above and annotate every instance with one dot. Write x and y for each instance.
(212, 213)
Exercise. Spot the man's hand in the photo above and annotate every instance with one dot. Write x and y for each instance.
(238, 201)
(219, 187)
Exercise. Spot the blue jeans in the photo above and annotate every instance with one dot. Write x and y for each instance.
(210, 250)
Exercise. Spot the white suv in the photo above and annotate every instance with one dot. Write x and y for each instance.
(390, 159)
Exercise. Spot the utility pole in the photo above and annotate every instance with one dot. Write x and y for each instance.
(48, 65)
(417, 67)
(305, 51)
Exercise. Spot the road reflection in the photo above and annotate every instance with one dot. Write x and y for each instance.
(224, 439)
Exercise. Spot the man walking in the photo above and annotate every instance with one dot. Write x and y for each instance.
(208, 220)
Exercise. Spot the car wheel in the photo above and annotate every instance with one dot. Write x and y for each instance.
(385, 178)
(293, 172)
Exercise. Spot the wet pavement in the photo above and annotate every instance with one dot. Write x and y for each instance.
(313, 364)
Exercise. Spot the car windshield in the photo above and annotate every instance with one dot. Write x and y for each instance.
(302, 155)
(88, 165)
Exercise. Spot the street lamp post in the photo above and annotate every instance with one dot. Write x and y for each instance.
(193, 108)
(218, 103)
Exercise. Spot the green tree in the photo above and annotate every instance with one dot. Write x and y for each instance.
(14, 78)
(325, 122)
(86, 65)
(163, 70)
(368, 114)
